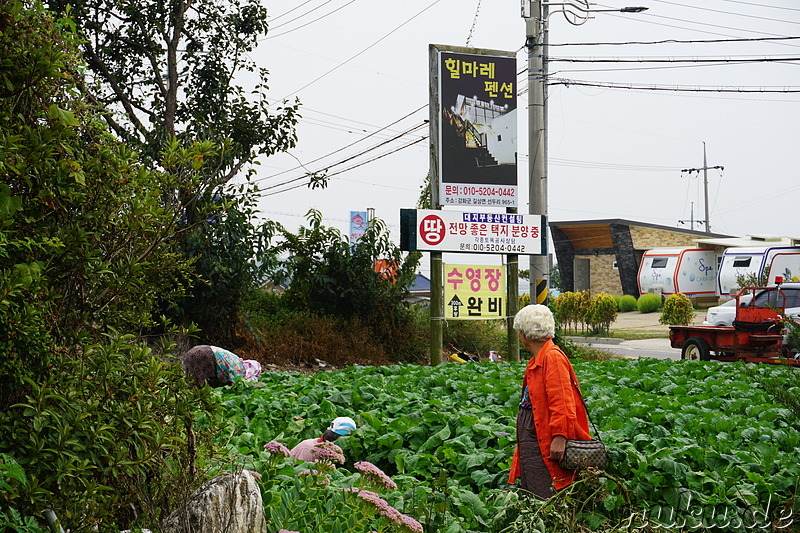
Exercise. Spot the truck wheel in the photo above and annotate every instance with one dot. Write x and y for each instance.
(696, 349)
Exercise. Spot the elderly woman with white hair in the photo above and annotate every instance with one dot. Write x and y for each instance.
(550, 410)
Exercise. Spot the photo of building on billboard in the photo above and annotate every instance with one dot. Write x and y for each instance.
(478, 129)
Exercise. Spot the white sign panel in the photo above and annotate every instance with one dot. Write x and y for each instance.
(493, 233)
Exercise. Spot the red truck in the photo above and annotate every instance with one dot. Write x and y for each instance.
(757, 334)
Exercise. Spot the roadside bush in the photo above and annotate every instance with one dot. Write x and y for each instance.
(570, 308)
(106, 437)
(677, 310)
(477, 336)
(648, 303)
(524, 300)
(627, 303)
(601, 312)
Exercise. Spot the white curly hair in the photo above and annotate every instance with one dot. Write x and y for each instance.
(536, 322)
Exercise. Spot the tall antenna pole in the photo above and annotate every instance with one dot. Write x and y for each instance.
(704, 168)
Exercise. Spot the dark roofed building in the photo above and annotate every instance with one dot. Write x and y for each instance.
(604, 255)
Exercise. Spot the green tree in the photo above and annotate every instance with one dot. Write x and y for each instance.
(330, 276)
(101, 426)
(168, 69)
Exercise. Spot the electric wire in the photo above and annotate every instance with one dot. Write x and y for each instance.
(676, 88)
(307, 23)
(680, 41)
(295, 8)
(395, 150)
(347, 159)
(344, 147)
(315, 80)
(761, 5)
(726, 12)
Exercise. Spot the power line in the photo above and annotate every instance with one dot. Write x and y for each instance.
(293, 9)
(680, 41)
(344, 147)
(350, 158)
(361, 52)
(307, 23)
(395, 150)
(678, 59)
(701, 89)
(761, 5)
(726, 12)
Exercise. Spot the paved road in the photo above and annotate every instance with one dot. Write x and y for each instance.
(655, 348)
(640, 322)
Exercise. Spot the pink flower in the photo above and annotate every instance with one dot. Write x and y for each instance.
(327, 452)
(410, 524)
(375, 475)
(381, 505)
(255, 474)
(287, 531)
(276, 448)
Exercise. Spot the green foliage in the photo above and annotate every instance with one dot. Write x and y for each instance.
(524, 299)
(677, 310)
(230, 256)
(570, 308)
(648, 303)
(330, 276)
(85, 228)
(104, 437)
(601, 312)
(319, 497)
(11, 477)
(753, 279)
(627, 303)
(696, 440)
(477, 336)
(184, 59)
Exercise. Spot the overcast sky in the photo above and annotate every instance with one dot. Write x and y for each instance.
(617, 145)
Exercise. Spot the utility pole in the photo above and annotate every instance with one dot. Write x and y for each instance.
(536, 13)
(704, 168)
(536, 44)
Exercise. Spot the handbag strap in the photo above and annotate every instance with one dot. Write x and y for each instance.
(588, 417)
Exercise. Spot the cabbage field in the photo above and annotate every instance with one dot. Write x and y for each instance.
(693, 447)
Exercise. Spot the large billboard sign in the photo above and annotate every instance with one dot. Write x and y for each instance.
(477, 126)
(472, 232)
(474, 292)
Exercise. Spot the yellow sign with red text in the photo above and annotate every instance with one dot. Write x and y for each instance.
(473, 292)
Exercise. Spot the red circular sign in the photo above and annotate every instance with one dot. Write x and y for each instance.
(432, 230)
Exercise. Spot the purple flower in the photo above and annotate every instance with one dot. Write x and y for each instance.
(409, 523)
(255, 474)
(375, 475)
(327, 452)
(381, 505)
(276, 448)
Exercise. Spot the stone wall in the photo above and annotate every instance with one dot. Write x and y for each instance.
(602, 276)
(646, 238)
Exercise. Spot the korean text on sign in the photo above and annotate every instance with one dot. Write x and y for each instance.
(474, 292)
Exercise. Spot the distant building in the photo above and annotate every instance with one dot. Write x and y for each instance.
(604, 255)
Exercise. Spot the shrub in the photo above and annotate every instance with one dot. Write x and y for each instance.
(648, 303)
(570, 308)
(627, 303)
(477, 336)
(601, 312)
(677, 311)
(106, 436)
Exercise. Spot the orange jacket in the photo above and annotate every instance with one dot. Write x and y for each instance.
(557, 408)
